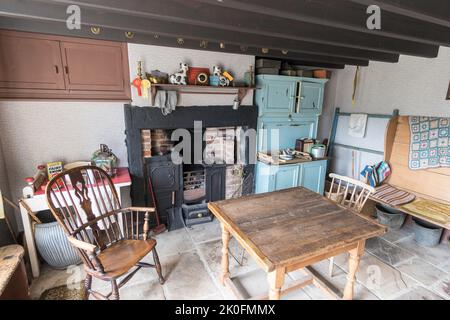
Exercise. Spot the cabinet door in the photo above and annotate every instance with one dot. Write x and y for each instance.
(311, 97)
(27, 63)
(279, 98)
(215, 182)
(164, 175)
(312, 176)
(284, 177)
(89, 66)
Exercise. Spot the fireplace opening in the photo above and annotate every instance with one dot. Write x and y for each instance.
(194, 183)
(211, 176)
(215, 166)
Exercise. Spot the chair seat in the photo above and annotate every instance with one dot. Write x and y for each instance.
(123, 255)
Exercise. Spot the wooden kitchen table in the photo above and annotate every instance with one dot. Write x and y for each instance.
(292, 229)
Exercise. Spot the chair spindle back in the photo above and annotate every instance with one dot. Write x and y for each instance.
(85, 203)
(349, 192)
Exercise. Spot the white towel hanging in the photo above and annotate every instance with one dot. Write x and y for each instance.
(357, 125)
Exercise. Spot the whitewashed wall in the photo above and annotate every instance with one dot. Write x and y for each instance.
(35, 132)
(169, 59)
(5, 237)
(415, 86)
(326, 118)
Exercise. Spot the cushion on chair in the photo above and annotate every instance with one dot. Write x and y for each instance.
(120, 257)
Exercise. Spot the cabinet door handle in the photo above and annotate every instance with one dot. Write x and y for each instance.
(287, 92)
(314, 105)
(66, 69)
(56, 69)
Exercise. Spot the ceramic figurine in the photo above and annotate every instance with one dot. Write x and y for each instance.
(180, 77)
(223, 81)
(217, 71)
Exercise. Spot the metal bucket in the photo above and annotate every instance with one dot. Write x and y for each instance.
(53, 246)
(390, 217)
(425, 233)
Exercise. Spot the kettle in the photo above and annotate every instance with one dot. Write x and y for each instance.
(318, 151)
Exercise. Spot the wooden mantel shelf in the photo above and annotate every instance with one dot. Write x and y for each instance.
(241, 92)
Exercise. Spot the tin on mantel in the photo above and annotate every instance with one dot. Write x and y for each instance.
(105, 159)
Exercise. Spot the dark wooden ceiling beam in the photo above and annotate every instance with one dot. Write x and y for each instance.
(188, 12)
(207, 15)
(433, 11)
(38, 11)
(55, 28)
(344, 15)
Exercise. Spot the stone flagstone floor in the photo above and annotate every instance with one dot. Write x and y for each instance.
(393, 267)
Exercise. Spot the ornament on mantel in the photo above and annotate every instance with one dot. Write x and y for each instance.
(181, 76)
(220, 78)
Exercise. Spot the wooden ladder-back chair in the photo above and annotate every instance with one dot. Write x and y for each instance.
(350, 193)
(109, 239)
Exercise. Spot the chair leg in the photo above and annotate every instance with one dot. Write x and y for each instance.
(158, 266)
(331, 267)
(115, 290)
(87, 285)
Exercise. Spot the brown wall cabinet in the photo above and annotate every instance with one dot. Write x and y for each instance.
(36, 66)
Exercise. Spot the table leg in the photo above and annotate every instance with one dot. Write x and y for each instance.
(353, 264)
(120, 215)
(29, 238)
(276, 281)
(225, 257)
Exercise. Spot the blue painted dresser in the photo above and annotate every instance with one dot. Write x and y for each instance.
(289, 109)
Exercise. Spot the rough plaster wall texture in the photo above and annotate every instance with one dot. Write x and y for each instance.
(4, 186)
(415, 86)
(168, 60)
(326, 118)
(35, 132)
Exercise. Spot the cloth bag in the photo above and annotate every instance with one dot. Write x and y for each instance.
(376, 174)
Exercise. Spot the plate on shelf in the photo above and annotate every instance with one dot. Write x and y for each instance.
(286, 157)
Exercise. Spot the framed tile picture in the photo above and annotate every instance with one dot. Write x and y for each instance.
(448, 92)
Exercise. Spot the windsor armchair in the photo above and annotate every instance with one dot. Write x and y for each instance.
(109, 239)
(350, 193)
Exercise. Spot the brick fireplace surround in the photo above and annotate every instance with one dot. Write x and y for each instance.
(148, 141)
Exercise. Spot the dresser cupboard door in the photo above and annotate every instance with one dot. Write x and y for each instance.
(28, 63)
(279, 98)
(312, 176)
(310, 99)
(97, 67)
(285, 177)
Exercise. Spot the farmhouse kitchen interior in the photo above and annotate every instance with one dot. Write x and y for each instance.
(223, 149)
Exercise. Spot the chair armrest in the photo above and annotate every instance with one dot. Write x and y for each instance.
(82, 245)
(140, 209)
